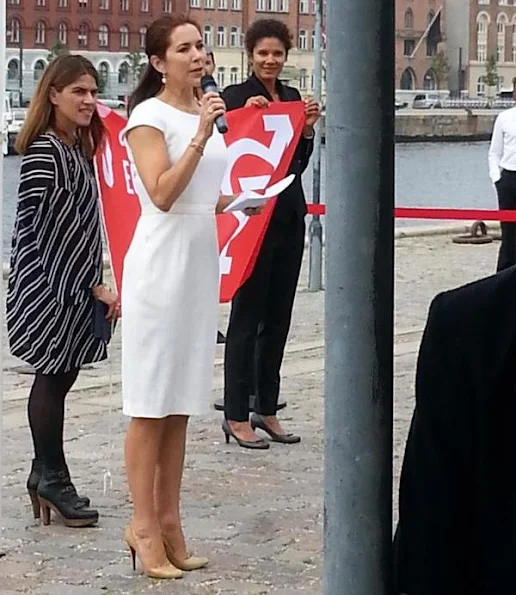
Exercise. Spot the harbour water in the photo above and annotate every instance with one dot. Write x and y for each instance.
(427, 175)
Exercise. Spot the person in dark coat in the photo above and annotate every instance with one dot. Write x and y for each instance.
(262, 308)
(457, 508)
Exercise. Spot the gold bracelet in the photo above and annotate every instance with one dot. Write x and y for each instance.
(197, 147)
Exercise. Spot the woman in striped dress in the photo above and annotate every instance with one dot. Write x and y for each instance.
(56, 270)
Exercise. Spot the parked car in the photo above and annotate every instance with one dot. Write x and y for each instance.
(427, 101)
(400, 104)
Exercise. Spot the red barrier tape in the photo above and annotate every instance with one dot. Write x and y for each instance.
(450, 214)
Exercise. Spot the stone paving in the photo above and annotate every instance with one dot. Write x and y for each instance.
(257, 515)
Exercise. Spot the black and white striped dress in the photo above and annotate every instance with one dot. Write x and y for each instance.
(56, 258)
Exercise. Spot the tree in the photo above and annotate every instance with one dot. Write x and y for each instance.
(440, 68)
(57, 50)
(491, 77)
(136, 66)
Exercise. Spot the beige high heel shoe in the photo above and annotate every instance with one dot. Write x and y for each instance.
(191, 563)
(167, 571)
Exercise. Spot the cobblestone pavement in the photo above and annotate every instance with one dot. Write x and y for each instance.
(257, 515)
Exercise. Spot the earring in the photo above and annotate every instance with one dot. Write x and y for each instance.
(164, 79)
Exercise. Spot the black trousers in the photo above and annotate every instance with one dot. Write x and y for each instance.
(261, 312)
(506, 189)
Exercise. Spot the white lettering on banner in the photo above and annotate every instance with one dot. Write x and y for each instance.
(107, 165)
(225, 261)
(128, 176)
(281, 126)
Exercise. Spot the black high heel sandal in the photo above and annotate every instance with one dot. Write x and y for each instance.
(259, 444)
(258, 422)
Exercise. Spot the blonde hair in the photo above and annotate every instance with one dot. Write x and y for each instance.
(61, 72)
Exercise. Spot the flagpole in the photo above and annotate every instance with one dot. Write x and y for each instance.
(3, 131)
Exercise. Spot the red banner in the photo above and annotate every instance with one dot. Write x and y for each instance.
(261, 144)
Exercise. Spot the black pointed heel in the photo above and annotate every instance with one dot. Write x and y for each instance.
(258, 422)
(259, 444)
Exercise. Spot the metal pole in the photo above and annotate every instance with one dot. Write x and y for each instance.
(21, 67)
(3, 130)
(359, 298)
(315, 229)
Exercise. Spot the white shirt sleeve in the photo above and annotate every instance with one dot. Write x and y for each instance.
(496, 151)
(147, 113)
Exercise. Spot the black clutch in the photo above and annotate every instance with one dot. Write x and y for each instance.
(101, 326)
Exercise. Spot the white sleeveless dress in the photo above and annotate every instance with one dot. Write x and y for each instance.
(170, 288)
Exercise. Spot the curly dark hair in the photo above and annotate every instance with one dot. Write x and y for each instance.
(263, 28)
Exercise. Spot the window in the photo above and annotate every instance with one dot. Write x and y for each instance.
(104, 73)
(501, 24)
(208, 35)
(83, 3)
(124, 5)
(482, 52)
(409, 19)
(261, 5)
(166, 6)
(103, 36)
(123, 73)
(283, 6)
(194, 4)
(223, 4)
(13, 70)
(482, 24)
(272, 5)
(14, 31)
(144, 5)
(313, 39)
(483, 1)
(41, 32)
(221, 36)
(104, 5)
(409, 45)
(62, 4)
(303, 6)
(83, 35)
(14, 2)
(481, 86)
(41, 3)
(221, 76)
(62, 33)
(124, 36)
(143, 37)
(500, 53)
(233, 76)
(234, 39)
(209, 3)
(39, 68)
(303, 79)
(236, 4)
(302, 43)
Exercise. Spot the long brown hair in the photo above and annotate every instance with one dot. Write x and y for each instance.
(61, 72)
(157, 42)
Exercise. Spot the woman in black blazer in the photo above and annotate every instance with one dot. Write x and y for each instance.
(262, 308)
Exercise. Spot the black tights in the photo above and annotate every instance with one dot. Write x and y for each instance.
(46, 415)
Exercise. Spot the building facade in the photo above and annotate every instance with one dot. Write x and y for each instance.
(492, 33)
(419, 27)
(111, 33)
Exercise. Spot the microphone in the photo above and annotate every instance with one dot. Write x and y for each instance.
(208, 85)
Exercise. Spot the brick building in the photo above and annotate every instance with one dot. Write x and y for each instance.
(111, 33)
(418, 33)
(476, 31)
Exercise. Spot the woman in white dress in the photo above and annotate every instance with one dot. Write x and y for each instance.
(170, 289)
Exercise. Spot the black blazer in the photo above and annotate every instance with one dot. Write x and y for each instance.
(291, 203)
(457, 527)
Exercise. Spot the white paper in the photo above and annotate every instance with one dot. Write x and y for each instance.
(250, 199)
